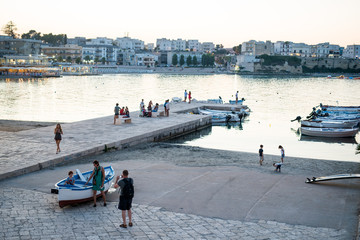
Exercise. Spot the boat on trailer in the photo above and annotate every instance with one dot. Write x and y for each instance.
(77, 193)
(329, 132)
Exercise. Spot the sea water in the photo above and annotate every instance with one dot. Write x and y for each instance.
(273, 101)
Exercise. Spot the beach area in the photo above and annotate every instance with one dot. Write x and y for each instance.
(184, 192)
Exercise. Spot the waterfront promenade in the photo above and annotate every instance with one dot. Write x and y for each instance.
(181, 192)
(31, 150)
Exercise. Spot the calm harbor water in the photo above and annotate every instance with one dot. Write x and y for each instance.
(274, 101)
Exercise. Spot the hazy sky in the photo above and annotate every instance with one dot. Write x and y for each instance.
(229, 22)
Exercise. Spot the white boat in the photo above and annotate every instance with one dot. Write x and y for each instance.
(329, 132)
(71, 194)
(339, 108)
(217, 101)
(240, 102)
(329, 123)
(224, 116)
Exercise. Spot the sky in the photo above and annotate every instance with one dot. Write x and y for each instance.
(227, 22)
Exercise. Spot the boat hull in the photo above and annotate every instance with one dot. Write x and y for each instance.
(329, 132)
(329, 124)
(77, 193)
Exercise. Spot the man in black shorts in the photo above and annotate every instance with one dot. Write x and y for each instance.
(126, 185)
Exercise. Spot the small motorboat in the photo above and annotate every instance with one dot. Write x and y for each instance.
(329, 132)
(329, 123)
(224, 116)
(240, 101)
(71, 194)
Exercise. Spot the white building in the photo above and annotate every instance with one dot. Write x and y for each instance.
(193, 45)
(207, 47)
(145, 59)
(129, 43)
(245, 63)
(255, 48)
(300, 50)
(352, 51)
(99, 52)
(178, 45)
(283, 48)
(163, 44)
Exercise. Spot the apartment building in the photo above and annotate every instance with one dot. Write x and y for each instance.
(100, 48)
(13, 46)
(163, 44)
(145, 59)
(193, 45)
(66, 51)
(178, 45)
(207, 47)
(257, 48)
(129, 43)
(352, 51)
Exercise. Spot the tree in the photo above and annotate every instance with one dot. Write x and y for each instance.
(174, 60)
(195, 61)
(78, 60)
(87, 58)
(103, 60)
(188, 60)
(55, 40)
(182, 60)
(237, 49)
(208, 60)
(68, 59)
(60, 59)
(32, 34)
(96, 60)
(9, 29)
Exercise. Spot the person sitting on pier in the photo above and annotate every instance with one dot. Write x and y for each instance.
(122, 111)
(149, 108)
(127, 113)
(156, 108)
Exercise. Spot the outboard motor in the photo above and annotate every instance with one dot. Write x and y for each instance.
(228, 117)
(298, 118)
(240, 115)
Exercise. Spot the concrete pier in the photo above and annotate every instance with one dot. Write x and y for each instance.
(31, 150)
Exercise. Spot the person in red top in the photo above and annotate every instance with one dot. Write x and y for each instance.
(189, 96)
(122, 111)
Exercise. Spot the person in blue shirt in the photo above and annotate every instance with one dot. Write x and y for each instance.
(70, 179)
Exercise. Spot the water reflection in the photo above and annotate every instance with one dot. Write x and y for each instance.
(327, 139)
(192, 136)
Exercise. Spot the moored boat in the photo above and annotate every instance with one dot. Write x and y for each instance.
(329, 132)
(71, 194)
(329, 123)
(224, 116)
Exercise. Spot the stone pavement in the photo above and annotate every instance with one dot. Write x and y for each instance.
(26, 214)
(31, 150)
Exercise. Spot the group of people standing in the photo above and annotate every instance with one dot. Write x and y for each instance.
(187, 95)
(147, 112)
(277, 165)
(124, 112)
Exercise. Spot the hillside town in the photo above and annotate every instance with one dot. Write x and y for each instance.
(80, 55)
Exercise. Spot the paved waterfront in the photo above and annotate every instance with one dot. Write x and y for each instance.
(31, 150)
(27, 214)
(181, 192)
